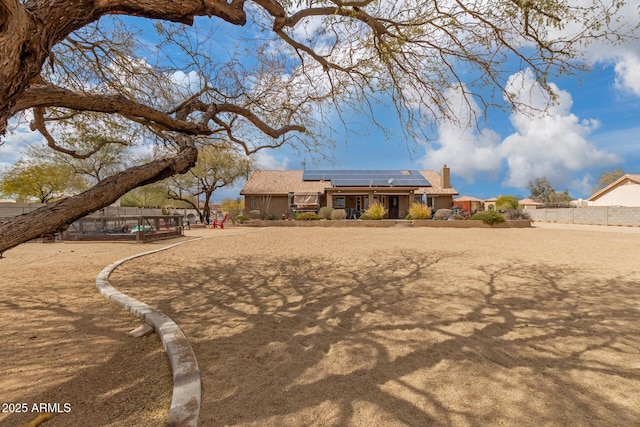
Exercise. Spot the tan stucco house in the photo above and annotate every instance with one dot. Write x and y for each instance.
(625, 191)
(528, 203)
(283, 192)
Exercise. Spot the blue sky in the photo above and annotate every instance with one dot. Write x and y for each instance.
(593, 128)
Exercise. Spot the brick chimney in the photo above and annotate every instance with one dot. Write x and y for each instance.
(446, 177)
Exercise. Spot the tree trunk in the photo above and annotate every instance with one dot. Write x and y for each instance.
(207, 208)
(57, 216)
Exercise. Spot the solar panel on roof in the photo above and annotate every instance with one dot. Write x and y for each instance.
(365, 178)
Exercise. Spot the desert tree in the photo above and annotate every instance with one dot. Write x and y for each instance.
(302, 62)
(608, 177)
(506, 203)
(217, 167)
(148, 196)
(43, 181)
(540, 189)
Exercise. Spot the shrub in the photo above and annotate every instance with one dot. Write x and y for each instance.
(242, 217)
(488, 217)
(364, 216)
(338, 214)
(515, 214)
(376, 211)
(442, 214)
(419, 211)
(307, 216)
(272, 216)
(255, 214)
(325, 212)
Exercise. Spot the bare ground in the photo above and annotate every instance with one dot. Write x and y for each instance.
(336, 327)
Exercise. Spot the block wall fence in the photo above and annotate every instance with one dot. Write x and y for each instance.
(592, 215)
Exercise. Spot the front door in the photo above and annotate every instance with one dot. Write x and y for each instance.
(393, 207)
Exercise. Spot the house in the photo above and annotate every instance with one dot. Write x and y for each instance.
(528, 203)
(490, 204)
(625, 191)
(283, 192)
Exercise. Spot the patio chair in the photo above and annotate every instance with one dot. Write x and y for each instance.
(219, 222)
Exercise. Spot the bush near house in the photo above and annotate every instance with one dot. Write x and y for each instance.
(419, 211)
(338, 214)
(442, 214)
(376, 211)
(488, 217)
(517, 214)
(307, 216)
(325, 212)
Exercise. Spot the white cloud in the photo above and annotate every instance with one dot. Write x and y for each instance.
(17, 139)
(266, 161)
(552, 144)
(460, 145)
(549, 141)
(628, 74)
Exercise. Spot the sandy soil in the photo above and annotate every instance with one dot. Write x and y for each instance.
(336, 327)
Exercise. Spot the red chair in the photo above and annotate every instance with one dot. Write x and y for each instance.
(219, 221)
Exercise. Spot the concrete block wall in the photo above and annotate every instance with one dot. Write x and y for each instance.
(592, 215)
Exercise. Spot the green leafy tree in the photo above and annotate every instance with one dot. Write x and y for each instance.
(217, 167)
(148, 196)
(233, 206)
(68, 63)
(540, 190)
(506, 203)
(44, 182)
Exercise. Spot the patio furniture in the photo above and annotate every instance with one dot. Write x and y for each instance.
(219, 222)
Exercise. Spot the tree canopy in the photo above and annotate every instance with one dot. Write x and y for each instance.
(608, 177)
(41, 181)
(217, 167)
(506, 202)
(540, 190)
(66, 64)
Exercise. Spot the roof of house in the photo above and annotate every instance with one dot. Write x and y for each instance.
(635, 178)
(528, 201)
(435, 180)
(286, 181)
(467, 199)
(281, 182)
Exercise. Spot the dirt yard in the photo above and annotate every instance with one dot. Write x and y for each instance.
(335, 327)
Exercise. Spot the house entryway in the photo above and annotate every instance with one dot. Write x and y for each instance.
(394, 209)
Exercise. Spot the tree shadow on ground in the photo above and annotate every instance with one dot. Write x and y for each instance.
(402, 339)
(42, 352)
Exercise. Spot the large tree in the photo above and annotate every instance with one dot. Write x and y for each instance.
(62, 60)
(217, 167)
(540, 190)
(43, 181)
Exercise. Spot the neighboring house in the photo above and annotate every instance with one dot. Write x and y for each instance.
(528, 203)
(468, 203)
(490, 204)
(625, 191)
(277, 193)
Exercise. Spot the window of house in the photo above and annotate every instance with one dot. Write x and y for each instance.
(338, 202)
(358, 203)
(252, 203)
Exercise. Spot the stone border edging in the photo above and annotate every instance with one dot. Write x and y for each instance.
(187, 388)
